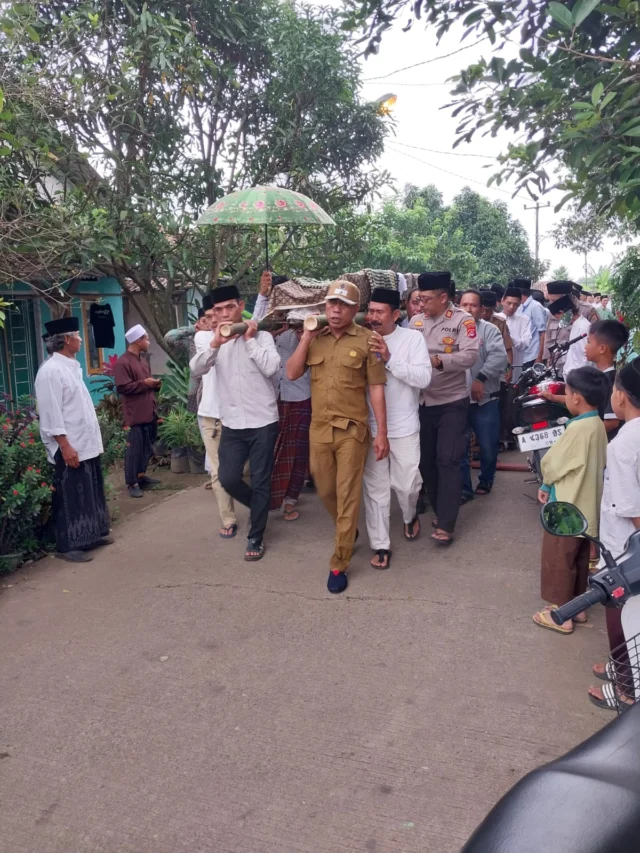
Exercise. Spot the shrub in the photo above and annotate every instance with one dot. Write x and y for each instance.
(114, 438)
(180, 428)
(25, 480)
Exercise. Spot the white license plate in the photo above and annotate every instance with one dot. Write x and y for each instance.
(539, 438)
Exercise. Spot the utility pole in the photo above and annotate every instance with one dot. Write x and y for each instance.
(537, 207)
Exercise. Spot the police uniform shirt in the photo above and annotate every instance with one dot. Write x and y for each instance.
(453, 337)
(341, 370)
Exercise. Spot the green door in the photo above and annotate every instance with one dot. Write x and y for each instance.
(18, 351)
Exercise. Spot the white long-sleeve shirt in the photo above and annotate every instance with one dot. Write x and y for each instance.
(408, 373)
(209, 405)
(621, 494)
(65, 407)
(521, 333)
(576, 355)
(243, 380)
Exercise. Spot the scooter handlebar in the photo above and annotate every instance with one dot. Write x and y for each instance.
(594, 595)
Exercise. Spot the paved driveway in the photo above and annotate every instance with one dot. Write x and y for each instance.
(170, 698)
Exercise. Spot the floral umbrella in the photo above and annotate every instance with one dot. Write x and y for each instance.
(265, 206)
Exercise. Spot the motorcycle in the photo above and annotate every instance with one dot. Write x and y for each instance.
(587, 801)
(540, 423)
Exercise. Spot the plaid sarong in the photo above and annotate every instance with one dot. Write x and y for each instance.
(291, 452)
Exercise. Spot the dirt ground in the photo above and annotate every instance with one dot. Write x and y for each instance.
(170, 698)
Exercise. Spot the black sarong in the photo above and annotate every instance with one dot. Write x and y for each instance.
(139, 451)
(80, 513)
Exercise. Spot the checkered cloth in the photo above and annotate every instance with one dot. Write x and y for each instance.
(291, 452)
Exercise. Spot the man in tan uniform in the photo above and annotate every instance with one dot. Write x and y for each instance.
(452, 340)
(342, 367)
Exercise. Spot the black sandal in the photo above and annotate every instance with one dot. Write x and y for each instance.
(381, 554)
(483, 488)
(412, 528)
(254, 550)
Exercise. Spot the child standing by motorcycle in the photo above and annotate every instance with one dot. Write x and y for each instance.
(572, 471)
(605, 339)
(619, 518)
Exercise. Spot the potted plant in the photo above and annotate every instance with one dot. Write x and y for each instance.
(25, 484)
(179, 431)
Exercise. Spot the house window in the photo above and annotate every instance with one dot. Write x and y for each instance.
(92, 352)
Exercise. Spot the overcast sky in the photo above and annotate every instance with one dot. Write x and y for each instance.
(421, 122)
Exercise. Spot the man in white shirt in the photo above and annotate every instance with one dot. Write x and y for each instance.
(209, 417)
(538, 316)
(576, 356)
(405, 355)
(244, 367)
(71, 434)
(519, 328)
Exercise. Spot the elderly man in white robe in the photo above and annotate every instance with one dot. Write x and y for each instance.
(408, 366)
(71, 434)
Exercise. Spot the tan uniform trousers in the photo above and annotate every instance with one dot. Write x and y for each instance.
(211, 430)
(337, 468)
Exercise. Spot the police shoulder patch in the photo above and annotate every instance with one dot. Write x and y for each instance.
(448, 313)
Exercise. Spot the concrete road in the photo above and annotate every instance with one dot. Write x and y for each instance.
(170, 698)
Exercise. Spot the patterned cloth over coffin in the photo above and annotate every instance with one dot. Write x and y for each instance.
(300, 291)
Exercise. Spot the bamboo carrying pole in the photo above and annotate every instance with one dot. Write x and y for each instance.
(312, 323)
(269, 324)
(319, 321)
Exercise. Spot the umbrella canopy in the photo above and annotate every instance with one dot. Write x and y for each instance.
(265, 206)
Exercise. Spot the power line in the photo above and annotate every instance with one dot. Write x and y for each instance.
(435, 151)
(426, 61)
(419, 85)
(453, 174)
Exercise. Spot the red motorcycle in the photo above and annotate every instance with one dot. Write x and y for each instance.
(540, 423)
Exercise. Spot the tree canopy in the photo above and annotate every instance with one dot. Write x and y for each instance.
(121, 121)
(564, 77)
(476, 239)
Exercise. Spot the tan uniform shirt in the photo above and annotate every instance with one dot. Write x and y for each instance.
(452, 336)
(557, 335)
(341, 370)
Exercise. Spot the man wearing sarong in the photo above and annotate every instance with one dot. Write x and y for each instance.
(292, 446)
(136, 386)
(70, 432)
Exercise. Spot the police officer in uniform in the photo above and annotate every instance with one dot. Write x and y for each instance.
(555, 333)
(452, 341)
(342, 368)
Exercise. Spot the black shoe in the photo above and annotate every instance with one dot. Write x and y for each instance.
(104, 540)
(74, 557)
(337, 583)
(466, 498)
(147, 482)
(135, 491)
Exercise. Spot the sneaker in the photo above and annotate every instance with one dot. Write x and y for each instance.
(135, 491)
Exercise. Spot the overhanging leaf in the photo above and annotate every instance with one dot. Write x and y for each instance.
(561, 14)
(582, 10)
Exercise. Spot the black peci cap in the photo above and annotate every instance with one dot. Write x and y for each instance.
(435, 281)
(223, 294)
(63, 326)
(387, 296)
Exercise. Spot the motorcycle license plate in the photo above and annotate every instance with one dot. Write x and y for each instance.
(539, 438)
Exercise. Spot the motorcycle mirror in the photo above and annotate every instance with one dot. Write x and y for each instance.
(563, 519)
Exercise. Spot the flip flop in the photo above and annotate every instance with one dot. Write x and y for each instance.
(542, 619)
(233, 529)
(291, 512)
(382, 554)
(612, 700)
(549, 607)
(444, 543)
(411, 526)
(254, 551)
(607, 675)
(483, 488)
